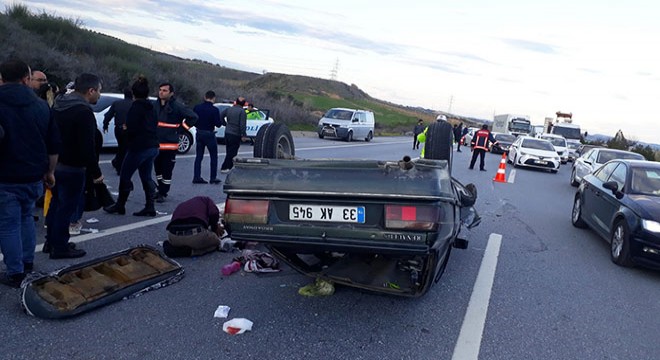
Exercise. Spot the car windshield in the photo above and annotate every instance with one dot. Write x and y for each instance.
(645, 181)
(339, 114)
(537, 144)
(505, 138)
(605, 156)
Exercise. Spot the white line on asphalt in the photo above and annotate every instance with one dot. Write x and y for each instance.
(512, 176)
(469, 340)
(116, 230)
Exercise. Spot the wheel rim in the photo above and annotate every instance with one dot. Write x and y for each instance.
(184, 143)
(576, 210)
(283, 148)
(573, 176)
(617, 241)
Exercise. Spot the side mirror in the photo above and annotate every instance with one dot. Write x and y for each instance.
(354, 120)
(614, 187)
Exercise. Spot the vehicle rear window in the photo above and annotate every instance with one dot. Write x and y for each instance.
(556, 141)
(505, 137)
(605, 156)
(537, 144)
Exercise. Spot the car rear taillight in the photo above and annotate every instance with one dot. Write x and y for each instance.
(412, 217)
(246, 211)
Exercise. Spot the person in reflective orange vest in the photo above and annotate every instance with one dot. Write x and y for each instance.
(171, 115)
(480, 146)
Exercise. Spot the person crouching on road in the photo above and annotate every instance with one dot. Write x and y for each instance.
(142, 149)
(480, 146)
(194, 229)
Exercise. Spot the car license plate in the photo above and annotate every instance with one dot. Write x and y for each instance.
(541, 162)
(329, 131)
(306, 212)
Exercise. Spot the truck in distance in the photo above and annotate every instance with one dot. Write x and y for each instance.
(512, 124)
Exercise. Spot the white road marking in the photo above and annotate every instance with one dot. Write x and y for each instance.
(512, 176)
(469, 340)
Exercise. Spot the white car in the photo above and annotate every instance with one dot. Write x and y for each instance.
(560, 144)
(186, 137)
(533, 152)
(594, 159)
(259, 119)
(573, 146)
(467, 138)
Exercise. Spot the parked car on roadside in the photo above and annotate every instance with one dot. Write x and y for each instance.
(534, 152)
(595, 158)
(252, 126)
(621, 202)
(504, 141)
(347, 124)
(560, 144)
(186, 137)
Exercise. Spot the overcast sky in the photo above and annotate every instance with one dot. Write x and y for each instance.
(597, 59)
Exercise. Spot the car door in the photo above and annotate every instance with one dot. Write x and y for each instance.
(583, 167)
(609, 203)
(592, 194)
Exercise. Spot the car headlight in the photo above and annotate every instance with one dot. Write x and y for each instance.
(652, 226)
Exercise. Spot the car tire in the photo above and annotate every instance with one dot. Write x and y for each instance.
(275, 142)
(515, 161)
(576, 213)
(320, 136)
(349, 136)
(554, 171)
(573, 181)
(369, 137)
(438, 145)
(185, 142)
(620, 244)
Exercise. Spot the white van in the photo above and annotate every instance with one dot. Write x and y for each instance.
(560, 144)
(347, 124)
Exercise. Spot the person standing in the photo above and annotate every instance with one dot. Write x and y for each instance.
(194, 229)
(28, 153)
(75, 118)
(209, 119)
(142, 148)
(458, 129)
(480, 146)
(37, 79)
(235, 132)
(171, 115)
(419, 128)
(118, 110)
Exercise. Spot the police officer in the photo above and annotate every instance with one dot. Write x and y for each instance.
(480, 146)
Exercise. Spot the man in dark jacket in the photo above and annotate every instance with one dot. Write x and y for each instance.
(209, 119)
(480, 146)
(419, 128)
(119, 110)
(75, 119)
(194, 228)
(171, 116)
(28, 154)
(458, 130)
(235, 132)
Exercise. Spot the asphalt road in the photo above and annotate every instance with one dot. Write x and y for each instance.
(529, 286)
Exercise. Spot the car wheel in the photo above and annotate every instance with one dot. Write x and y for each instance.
(275, 142)
(554, 171)
(576, 214)
(369, 137)
(515, 161)
(573, 181)
(185, 142)
(620, 244)
(349, 136)
(438, 143)
(320, 136)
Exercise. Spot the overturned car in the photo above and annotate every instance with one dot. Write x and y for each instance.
(385, 226)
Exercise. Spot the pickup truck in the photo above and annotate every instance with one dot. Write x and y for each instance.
(384, 226)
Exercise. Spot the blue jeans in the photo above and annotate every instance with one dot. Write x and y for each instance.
(69, 188)
(17, 232)
(143, 162)
(206, 139)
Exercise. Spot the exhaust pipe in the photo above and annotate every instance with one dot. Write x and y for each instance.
(405, 163)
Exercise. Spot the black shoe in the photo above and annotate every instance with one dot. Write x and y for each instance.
(69, 254)
(160, 198)
(471, 168)
(145, 212)
(200, 181)
(28, 267)
(215, 181)
(115, 208)
(458, 151)
(482, 169)
(14, 280)
(46, 249)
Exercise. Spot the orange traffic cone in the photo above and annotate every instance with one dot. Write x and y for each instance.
(501, 171)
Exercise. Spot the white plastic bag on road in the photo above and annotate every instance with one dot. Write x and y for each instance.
(237, 326)
(222, 312)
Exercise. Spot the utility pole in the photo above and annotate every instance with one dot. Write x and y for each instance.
(335, 70)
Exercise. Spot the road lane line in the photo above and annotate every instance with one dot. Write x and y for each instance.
(119, 229)
(469, 340)
(512, 176)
